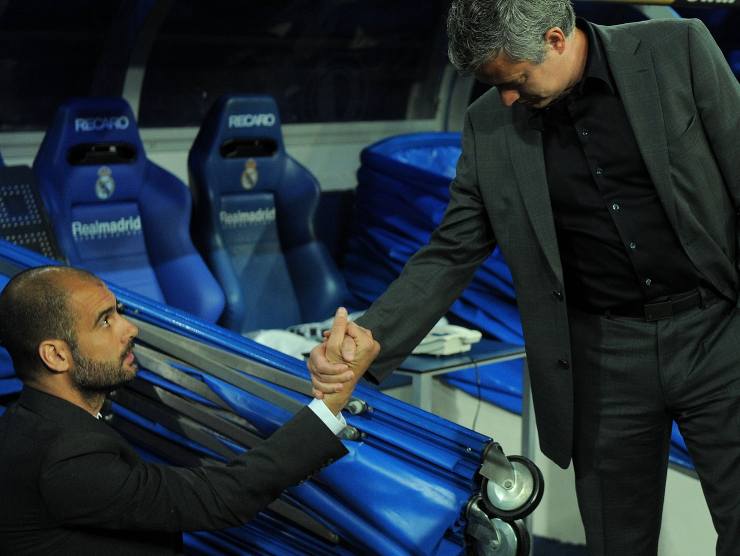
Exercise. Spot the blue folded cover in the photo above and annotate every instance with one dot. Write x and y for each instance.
(6, 365)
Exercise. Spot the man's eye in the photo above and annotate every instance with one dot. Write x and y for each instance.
(106, 321)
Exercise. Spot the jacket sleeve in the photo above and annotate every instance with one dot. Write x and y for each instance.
(92, 480)
(717, 97)
(436, 275)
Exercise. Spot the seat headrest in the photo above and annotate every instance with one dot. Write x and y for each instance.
(94, 144)
(241, 141)
(246, 116)
(95, 120)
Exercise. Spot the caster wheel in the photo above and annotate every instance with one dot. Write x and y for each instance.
(523, 539)
(511, 539)
(521, 497)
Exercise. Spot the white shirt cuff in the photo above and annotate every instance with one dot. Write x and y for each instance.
(335, 422)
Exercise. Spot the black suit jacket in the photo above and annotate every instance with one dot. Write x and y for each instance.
(683, 103)
(70, 484)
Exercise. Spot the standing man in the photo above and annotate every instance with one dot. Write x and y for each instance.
(604, 164)
(69, 484)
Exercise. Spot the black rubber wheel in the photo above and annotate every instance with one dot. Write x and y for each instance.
(513, 539)
(529, 504)
(522, 538)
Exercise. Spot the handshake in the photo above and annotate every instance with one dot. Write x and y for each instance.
(337, 364)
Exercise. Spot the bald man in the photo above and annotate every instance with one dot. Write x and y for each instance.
(70, 484)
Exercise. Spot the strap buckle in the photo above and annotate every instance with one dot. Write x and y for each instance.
(672, 306)
(659, 311)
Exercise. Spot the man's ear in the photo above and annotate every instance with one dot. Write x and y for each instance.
(56, 355)
(555, 39)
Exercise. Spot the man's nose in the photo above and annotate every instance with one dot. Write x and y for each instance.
(509, 97)
(131, 330)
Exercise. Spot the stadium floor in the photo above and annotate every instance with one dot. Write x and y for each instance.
(549, 547)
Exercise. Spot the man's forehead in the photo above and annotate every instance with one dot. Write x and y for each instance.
(501, 69)
(87, 295)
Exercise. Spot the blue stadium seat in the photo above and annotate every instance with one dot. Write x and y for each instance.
(253, 220)
(118, 214)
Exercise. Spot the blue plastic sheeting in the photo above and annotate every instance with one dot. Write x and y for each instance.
(176, 388)
(8, 383)
(504, 380)
(440, 485)
(679, 451)
(401, 197)
(10, 386)
(6, 365)
(402, 489)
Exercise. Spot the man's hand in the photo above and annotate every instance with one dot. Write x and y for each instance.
(328, 371)
(338, 363)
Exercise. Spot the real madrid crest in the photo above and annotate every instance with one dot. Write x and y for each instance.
(250, 174)
(105, 185)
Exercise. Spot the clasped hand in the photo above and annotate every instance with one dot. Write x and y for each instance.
(340, 360)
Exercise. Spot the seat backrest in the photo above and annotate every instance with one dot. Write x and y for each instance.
(253, 219)
(118, 214)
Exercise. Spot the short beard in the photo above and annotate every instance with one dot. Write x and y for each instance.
(93, 378)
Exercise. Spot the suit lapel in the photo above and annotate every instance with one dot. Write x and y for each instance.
(632, 68)
(525, 150)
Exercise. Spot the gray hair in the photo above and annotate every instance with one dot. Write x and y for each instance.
(479, 30)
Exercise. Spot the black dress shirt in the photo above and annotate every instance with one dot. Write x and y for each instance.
(617, 246)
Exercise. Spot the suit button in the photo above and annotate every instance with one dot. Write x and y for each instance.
(558, 294)
(563, 364)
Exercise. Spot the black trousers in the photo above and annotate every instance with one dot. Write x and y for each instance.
(632, 378)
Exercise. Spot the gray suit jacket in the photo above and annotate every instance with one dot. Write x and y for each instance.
(683, 103)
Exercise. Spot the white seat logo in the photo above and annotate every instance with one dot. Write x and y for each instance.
(241, 218)
(266, 119)
(106, 185)
(97, 229)
(101, 123)
(250, 175)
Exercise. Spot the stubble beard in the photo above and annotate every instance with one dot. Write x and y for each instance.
(93, 378)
